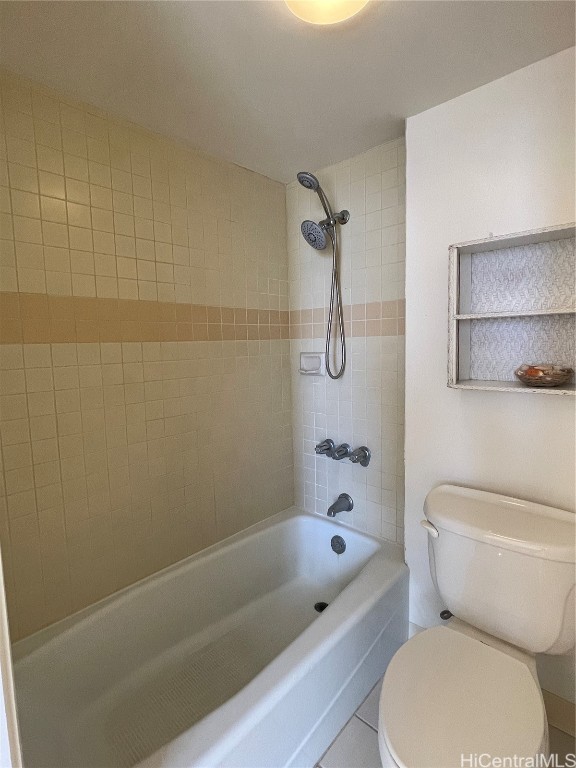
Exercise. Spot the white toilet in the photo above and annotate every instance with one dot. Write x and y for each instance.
(455, 693)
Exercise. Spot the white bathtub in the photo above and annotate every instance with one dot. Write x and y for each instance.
(221, 659)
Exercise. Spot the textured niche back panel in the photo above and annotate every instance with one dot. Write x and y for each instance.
(525, 278)
(499, 345)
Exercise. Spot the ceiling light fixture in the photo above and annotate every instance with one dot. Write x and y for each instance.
(325, 11)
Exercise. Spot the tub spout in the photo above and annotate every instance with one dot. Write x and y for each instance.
(343, 503)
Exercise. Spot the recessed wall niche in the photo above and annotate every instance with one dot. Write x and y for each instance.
(512, 301)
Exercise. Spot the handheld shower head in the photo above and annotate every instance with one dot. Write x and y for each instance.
(308, 180)
(313, 234)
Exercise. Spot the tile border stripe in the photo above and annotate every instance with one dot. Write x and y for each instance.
(37, 318)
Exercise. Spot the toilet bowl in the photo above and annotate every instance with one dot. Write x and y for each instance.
(449, 697)
(466, 694)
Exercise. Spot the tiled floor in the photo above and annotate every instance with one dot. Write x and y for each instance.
(562, 744)
(356, 746)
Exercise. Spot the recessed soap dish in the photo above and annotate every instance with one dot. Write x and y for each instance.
(312, 364)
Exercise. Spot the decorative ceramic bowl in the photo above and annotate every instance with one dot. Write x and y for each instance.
(543, 375)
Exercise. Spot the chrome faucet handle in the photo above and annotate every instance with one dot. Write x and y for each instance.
(361, 456)
(325, 448)
(342, 451)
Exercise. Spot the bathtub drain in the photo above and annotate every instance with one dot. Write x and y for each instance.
(320, 607)
(338, 544)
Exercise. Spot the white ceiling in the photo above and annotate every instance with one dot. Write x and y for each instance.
(246, 81)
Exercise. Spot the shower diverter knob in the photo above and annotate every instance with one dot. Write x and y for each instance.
(341, 451)
(325, 448)
(361, 456)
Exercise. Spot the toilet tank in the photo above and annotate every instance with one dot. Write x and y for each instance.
(504, 565)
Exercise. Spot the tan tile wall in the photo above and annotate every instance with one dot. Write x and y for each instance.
(91, 206)
(145, 402)
(378, 318)
(144, 387)
(119, 459)
(32, 318)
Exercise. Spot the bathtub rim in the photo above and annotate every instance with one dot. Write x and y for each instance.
(43, 637)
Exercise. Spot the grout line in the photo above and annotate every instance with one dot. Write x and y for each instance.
(355, 715)
(365, 722)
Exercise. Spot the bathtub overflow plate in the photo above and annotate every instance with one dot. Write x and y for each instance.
(338, 544)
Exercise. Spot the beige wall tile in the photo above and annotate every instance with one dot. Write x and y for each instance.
(108, 243)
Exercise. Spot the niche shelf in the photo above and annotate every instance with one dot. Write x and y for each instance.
(512, 301)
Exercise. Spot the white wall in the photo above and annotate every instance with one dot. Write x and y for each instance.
(496, 160)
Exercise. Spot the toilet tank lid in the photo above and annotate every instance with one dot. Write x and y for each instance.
(502, 521)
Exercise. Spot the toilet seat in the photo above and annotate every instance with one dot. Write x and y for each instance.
(446, 694)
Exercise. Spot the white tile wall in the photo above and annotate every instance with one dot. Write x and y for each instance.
(372, 187)
(366, 406)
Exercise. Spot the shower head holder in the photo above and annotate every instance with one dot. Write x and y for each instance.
(342, 217)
